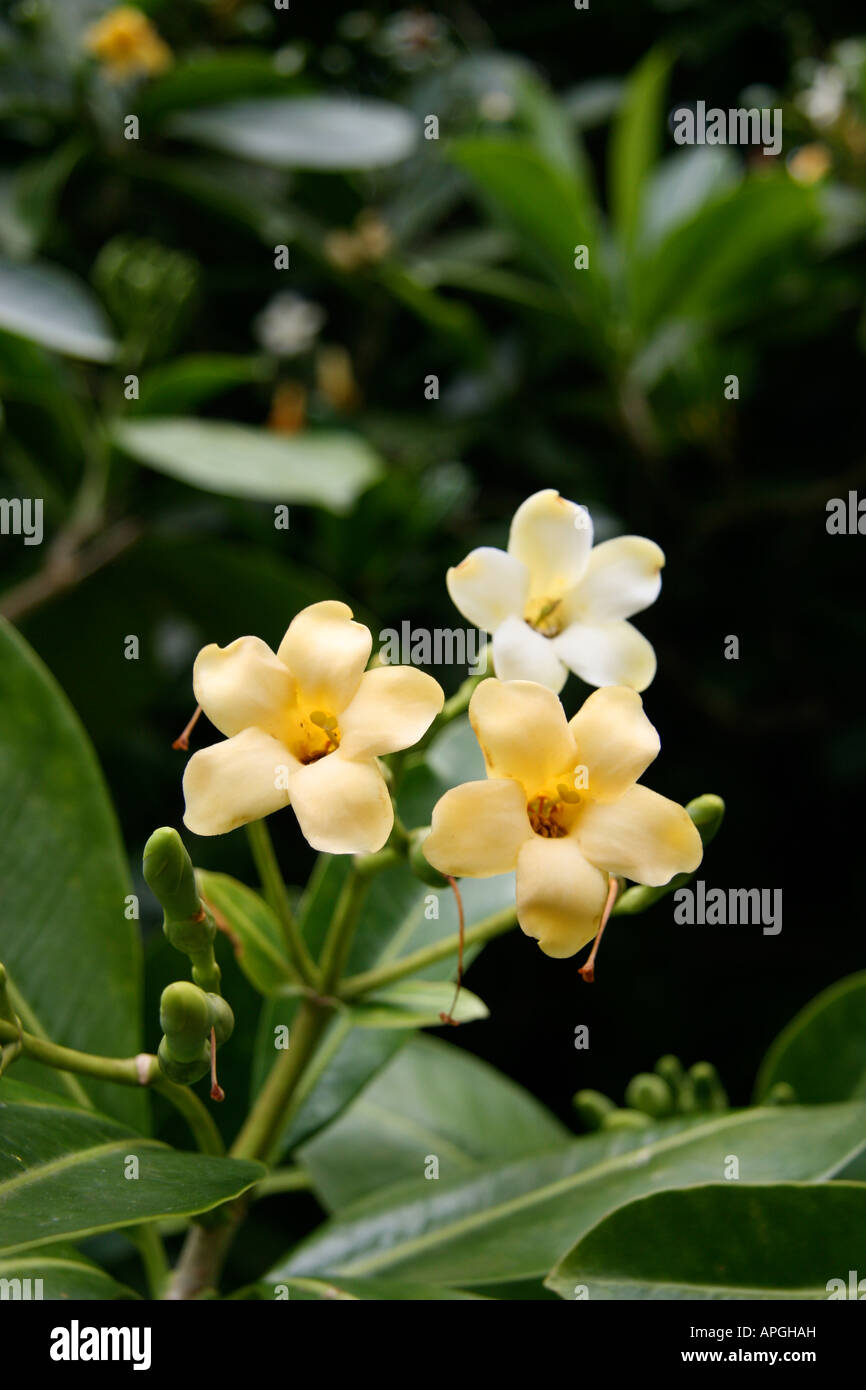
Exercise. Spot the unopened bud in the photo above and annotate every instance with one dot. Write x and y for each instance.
(592, 1107)
(710, 1094)
(626, 1119)
(649, 1094)
(185, 1016)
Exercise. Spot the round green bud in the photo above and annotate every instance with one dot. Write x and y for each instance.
(418, 862)
(707, 812)
(710, 1094)
(222, 1020)
(782, 1093)
(650, 1094)
(184, 1072)
(170, 875)
(671, 1070)
(626, 1119)
(592, 1107)
(185, 1019)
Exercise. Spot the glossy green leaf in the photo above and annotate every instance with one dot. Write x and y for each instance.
(66, 1174)
(49, 306)
(432, 1098)
(512, 1223)
(417, 1004)
(71, 952)
(365, 1290)
(723, 1240)
(822, 1051)
(318, 132)
(253, 930)
(63, 1272)
(328, 468)
(213, 77)
(186, 382)
(636, 139)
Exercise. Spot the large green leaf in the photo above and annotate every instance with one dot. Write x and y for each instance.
(174, 387)
(65, 1273)
(51, 307)
(328, 468)
(255, 932)
(304, 132)
(636, 139)
(351, 1290)
(74, 958)
(822, 1051)
(511, 1224)
(431, 1099)
(66, 1174)
(722, 1240)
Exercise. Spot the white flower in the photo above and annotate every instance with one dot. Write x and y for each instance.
(289, 324)
(824, 99)
(556, 604)
(305, 726)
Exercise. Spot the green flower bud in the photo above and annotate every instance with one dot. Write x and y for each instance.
(185, 1016)
(222, 1020)
(185, 1073)
(170, 875)
(781, 1094)
(650, 1094)
(626, 1119)
(707, 812)
(671, 1070)
(419, 864)
(592, 1107)
(710, 1094)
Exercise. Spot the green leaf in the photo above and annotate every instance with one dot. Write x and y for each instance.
(345, 1290)
(189, 381)
(72, 955)
(635, 140)
(512, 1223)
(256, 935)
(64, 1175)
(432, 1098)
(416, 1004)
(723, 1240)
(49, 306)
(64, 1272)
(327, 468)
(304, 132)
(215, 77)
(822, 1051)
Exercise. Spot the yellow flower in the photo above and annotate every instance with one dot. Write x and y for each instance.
(125, 41)
(305, 727)
(556, 604)
(561, 807)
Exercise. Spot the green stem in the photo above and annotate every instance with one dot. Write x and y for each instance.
(143, 1070)
(345, 920)
(265, 1122)
(277, 896)
(148, 1242)
(381, 975)
(283, 1180)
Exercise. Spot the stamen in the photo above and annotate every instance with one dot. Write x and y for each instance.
(182, 742)
(567, 794)
(587, 971)
(448, 1018)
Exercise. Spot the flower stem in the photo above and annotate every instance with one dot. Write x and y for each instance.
(277, 897)
(148, 1241)
(381, 975)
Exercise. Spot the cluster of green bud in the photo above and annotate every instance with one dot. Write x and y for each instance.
(668, 1090)
(188, 1010)
(148, 288)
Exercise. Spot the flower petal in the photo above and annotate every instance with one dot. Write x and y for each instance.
(560, 897)
(553, 538)
(393, 707)
(326, 652)
(521, 653)
(236, 781)
(523, 733)
(607, 654)
(622, 577)
(642, 836)
(615, 741)
(243, 685)
(343, 807)
(478, 829)
(488, 586)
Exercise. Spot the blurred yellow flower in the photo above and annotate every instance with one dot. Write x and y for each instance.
(810, 163)
(304, 727)
(368, 243)
(561, 806)
(556, 604)
(127, 44)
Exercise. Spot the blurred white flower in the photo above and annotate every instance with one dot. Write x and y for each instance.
(289, 324)
(824, 98)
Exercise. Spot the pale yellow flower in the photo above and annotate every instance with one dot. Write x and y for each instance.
(556, 604)
(560, 806)
(127, 44)
(305, 727)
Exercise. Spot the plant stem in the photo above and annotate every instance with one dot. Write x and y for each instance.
(142, 1070)
(381, 975)
(282, 1180)
(148, 1242)
(275, 892)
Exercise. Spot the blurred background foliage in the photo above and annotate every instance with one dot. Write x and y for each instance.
(453, 257)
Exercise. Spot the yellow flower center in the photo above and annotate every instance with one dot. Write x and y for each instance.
(553, 816)
(314, 736)
(545, 615)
